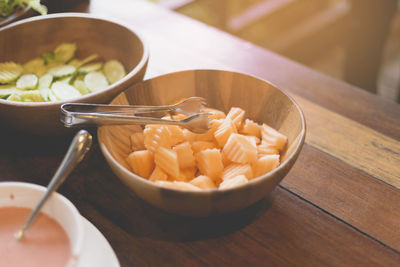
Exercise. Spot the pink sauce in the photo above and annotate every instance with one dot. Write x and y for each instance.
(44, 244)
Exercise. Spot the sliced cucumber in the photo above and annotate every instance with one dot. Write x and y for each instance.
(31, 96)
(32, 66)
(67, 79)
(9, 72)
(114, 71)
(51, 96)
(81, 87)
(5, 91)
(62, 71)
(64, 52)
(45, 81)
(90, 67)
(45, 93)
(14, 97)
(64, 91)
(27, 82)
(95, 81)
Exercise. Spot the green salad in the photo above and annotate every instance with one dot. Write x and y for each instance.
(57, 75)
(8, 6)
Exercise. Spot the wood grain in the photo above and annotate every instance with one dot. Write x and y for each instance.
(352, 142)
(352, 196)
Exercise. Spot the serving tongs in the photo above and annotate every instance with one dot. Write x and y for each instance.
(78, 114)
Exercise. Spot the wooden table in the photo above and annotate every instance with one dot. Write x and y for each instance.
(339, 205)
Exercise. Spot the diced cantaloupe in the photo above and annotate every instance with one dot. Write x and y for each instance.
(236, 115)
(175, 135)
(158, 175)
(266, 149)
(167, 160)
(185, 175)
(240, 149)
(203, 182)
(209, 163)
(156, 136)
(233, 182)
(250, 127)
(137, 141)
(178, 185)
(265, 164)
(214, 113)
(235, 169)
(185, 155)
(273, 137)
(224, 131)
(141, 162)
(198, 146)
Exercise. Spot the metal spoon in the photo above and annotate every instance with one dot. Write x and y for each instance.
(76, 151)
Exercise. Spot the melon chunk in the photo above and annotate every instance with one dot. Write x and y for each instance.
(167, 160)
(240, 149)
(273, 137)
(209, 162)
(141, 162)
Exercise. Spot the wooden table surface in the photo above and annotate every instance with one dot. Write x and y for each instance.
(339, 205)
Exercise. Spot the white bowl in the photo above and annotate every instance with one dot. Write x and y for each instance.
(18, 194)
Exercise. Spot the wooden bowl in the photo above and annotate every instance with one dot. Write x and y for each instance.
(29, 38)
(262, 102)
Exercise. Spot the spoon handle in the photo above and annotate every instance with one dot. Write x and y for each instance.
(77, 150)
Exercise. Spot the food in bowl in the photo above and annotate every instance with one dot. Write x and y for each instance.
(233, 151)
(9, 6)
(45, 243)
(57, 75)
(57, 235)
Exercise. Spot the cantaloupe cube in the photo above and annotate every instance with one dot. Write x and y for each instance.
(209, 163)
(185, 155)
(224, 131)
(214, 113)
(273, 137)
(198, 146)
(167, 160)
(233, 182)
(250, 127)
(225, 160)
(236, 115)
(203, 182)
(141, 162)
(156, 136)
(253, 139)
(158, 175)
(175, 134)
(189, 136)
(240, 149)
(265, 164)
(185, 175)
(266, 149)
(178, 185)
(137, 141)
(235, 169)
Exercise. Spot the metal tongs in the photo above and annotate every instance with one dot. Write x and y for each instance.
(78, 114)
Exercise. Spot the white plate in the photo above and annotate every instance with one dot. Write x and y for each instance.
(96, 249)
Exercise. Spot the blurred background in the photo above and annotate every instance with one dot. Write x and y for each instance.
(357, 41)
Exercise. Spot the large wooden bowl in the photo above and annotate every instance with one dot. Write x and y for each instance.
(29, 38)
(262, 102)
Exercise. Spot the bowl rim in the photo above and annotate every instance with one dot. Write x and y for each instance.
(143, 60)
(252, 182)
